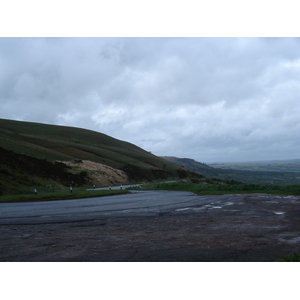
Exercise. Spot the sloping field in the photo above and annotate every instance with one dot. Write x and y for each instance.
(53, 142)
(61, 143)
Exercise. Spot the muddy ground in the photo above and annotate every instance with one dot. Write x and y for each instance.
(249, 228)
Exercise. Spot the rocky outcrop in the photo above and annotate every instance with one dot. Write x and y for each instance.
(98, 174)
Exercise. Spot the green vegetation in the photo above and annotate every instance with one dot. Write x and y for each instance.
(77, 193)
(30, 155)
(219, 187)
(283, 173)
(53, 143)
(295, 257)
(19, 174)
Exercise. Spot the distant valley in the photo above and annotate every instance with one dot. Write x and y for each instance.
(269, 166)
(278, 172)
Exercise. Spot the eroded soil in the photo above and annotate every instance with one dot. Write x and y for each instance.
(100, 174)
(241, 228)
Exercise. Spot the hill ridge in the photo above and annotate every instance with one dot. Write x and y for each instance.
(258, 175)
(65, 143)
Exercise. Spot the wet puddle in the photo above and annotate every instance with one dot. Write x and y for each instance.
(210, 206)
(294, 240)
(181, 209)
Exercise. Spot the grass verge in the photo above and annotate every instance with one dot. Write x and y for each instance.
(290, 258)
(76, 194)
(222, 189)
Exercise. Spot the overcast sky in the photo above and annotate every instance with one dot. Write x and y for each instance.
(209, 99)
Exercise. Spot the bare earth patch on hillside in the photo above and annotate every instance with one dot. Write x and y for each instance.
(100, 174)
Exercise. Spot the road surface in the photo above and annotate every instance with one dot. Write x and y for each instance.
(152, 226)
(135, 203)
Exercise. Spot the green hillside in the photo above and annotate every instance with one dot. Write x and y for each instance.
(34, 143)
(281, 174)
(19, 173)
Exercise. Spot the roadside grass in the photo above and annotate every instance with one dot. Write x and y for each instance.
(77, 193)
(295, 257)
(221, 189)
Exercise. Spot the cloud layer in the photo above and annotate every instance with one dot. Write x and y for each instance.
(211, 99)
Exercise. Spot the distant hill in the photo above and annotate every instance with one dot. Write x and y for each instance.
(26, 146)
(192, 165)
(270, 166)
(279, 173)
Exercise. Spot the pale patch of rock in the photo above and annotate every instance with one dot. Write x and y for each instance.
(99, 174)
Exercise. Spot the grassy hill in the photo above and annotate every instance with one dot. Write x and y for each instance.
(28, 148)
(275, 173)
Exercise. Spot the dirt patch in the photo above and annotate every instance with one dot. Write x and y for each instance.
(99, 174)
(240, 228)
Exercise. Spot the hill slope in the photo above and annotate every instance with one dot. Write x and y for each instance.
(259, 176)
(27, 141)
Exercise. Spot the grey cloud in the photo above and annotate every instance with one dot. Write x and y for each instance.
(206, 98)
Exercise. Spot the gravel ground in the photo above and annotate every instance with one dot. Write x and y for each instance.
(243, 228)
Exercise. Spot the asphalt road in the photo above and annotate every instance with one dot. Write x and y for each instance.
(141, 203)
(152, 226)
